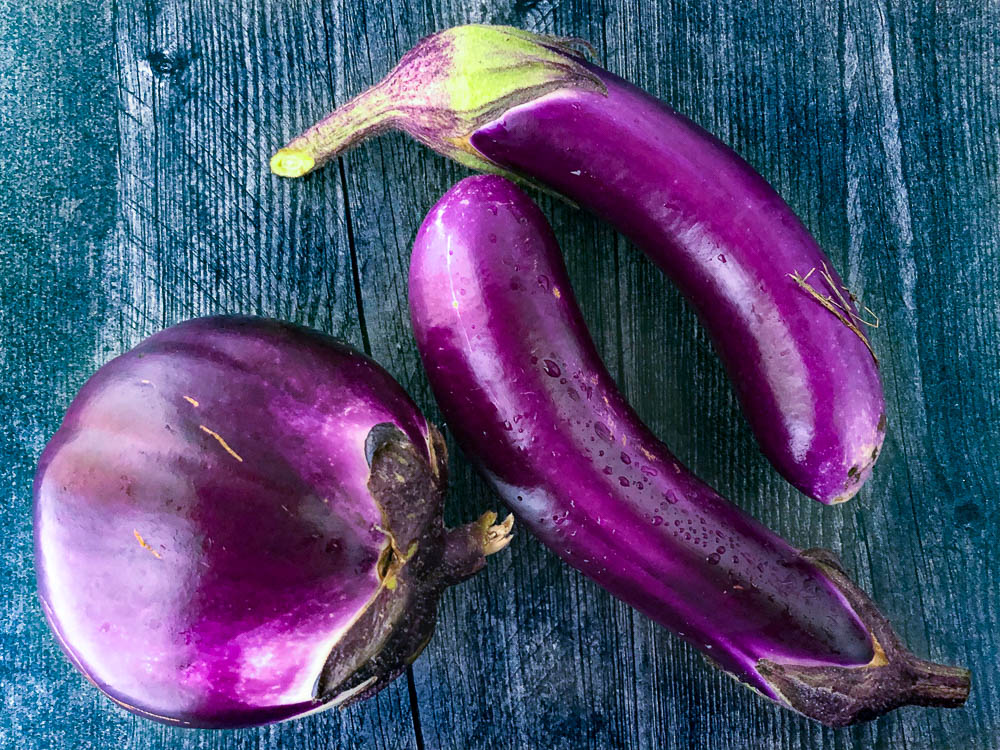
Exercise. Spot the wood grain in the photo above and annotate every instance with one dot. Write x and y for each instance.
(139, 196)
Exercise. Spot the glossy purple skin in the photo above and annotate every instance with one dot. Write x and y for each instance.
(521, 385)
(808, 385)
(203, 527)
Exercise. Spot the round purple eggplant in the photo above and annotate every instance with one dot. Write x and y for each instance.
(504, 100)
(239, 522)
(523, 389)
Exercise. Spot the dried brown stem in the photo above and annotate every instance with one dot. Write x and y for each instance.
(840, 307)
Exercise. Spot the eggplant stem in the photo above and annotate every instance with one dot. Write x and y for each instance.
(498, 535)
(466, 547)
(366, 115)
(443, 90)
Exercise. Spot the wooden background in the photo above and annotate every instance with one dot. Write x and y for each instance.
(134, 193)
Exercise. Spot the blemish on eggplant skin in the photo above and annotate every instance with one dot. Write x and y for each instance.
(881, 423)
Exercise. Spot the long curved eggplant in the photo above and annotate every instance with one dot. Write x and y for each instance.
(503, 100)
(239, 522)
(521, 385)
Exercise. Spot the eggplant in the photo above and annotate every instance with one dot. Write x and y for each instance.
(522, 387)
(239, 522)
(529, 106)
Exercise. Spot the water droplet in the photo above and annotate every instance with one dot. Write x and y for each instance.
(600, 453)
(657, 520)
(608, 470)
(649, 471)
(722, 257)
(552, 369)
(623, 481)
(508, 426)
(543, 282)
(573, 394)
(562, 381)
(713, 559)
(670, 497)
(603, 431)
(626, 458)
(720, 550)
(638, 485)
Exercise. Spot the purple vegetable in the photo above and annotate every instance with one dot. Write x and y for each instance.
(239, 522)
(503, 100)
(521, 385)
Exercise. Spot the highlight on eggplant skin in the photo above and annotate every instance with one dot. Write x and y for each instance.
(523, 389)
(239, 522)
(530, 107)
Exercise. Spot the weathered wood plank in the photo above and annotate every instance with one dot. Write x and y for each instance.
(55, 103)
(880, 123)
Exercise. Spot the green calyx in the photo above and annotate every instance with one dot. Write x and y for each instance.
(442, 90)
(491, 65)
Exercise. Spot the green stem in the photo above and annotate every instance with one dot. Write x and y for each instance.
(366, 115)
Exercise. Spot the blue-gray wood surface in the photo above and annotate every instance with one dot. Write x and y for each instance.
(134, 193)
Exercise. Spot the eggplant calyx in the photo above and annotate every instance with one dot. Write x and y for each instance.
(839, 696)
(420, 559)
(442, 90)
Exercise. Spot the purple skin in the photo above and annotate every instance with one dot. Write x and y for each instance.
(521, 385)
(808, 385)
(222, 516)
(529, 106)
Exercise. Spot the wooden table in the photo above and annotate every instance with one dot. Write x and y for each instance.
(134, 193)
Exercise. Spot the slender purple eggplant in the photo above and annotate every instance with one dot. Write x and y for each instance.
(239, 522)
(523, 389)
(503, 100)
